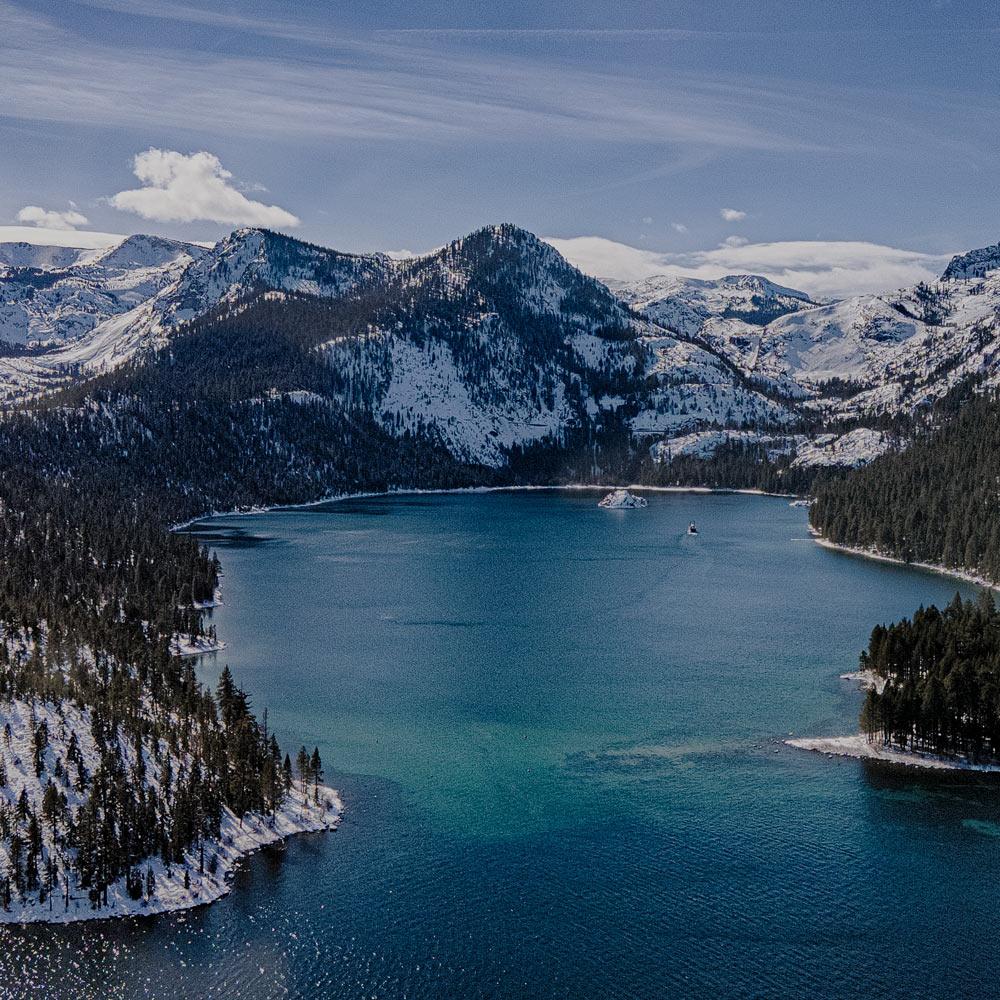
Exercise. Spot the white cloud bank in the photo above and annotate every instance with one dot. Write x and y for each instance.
(732, 214)
(58, 237)
(823, 269)
(50, 219)
(179, 187)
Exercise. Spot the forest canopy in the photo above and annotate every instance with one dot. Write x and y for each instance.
(937, 680)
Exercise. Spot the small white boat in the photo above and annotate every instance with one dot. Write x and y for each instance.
(621, 500)
(692, 529)
(801, 503)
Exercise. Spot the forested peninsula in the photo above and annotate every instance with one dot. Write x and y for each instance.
(935, 681)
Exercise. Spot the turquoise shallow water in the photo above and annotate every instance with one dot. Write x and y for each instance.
(557, 730)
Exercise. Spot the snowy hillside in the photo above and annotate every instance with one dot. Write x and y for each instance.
(53, 295)
(51, 756)
(849, 450)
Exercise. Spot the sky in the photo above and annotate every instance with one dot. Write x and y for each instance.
(836, 146)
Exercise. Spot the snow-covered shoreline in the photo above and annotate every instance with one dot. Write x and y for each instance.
(866, 679)
(957, 574)
(238, 839)
(187, 645)
(340, 497)
(858, 746)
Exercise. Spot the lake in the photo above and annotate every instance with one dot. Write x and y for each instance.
(557, 730)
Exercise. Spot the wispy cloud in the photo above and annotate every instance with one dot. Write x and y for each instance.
(169, 10)
(831, 269)
(179, 187)
(51, 219)
(732, 214)
(373, 87)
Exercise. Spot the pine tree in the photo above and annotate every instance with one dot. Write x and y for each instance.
(302, 767)
(316, 768)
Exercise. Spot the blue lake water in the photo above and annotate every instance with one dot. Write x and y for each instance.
(557, 732)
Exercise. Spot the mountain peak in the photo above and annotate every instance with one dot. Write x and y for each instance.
(141, 250)
(973, 264)
(761, 286)
(503, 236)
(506, 232)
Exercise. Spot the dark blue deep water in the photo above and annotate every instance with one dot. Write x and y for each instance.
(557, 731)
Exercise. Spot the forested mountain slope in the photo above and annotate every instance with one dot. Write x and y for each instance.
(115, 764)
(559, 348)
(937, 501)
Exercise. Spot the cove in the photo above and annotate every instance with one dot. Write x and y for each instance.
(557, 733)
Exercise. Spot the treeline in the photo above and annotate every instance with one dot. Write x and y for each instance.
(940, 681)
(734, 465)
(938, 501)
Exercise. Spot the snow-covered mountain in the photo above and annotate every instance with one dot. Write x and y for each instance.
(686, 304)
(875, 354)
(853, 360)
(105, 306)
(495, 341)
(54, 295)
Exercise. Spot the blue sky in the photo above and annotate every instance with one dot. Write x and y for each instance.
(401, 125)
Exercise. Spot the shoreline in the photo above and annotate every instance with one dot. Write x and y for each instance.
(956, 574)
(858, 747)
(255, 832)
(182, 645)
(238, 839)
(414, 491)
